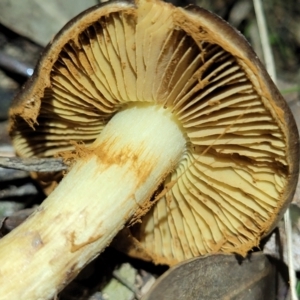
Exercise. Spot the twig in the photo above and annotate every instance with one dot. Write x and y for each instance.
(122, 280)
(264, 38)
(11, 64)
(270, 65)
(33, 164)
(289, 249)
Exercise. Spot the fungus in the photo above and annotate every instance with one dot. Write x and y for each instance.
(156, 106)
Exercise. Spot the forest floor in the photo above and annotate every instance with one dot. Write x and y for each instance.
(21, 43)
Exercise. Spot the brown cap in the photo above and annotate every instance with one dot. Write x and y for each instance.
(240, 167)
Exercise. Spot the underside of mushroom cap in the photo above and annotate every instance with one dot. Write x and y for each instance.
(240, 167)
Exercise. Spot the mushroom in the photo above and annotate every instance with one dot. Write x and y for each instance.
(154, 106)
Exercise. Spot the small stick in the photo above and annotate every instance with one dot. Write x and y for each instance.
(11, 64)
(126, 284)
(289, 249)
(33, 164)
(264, 37)
(270, 65)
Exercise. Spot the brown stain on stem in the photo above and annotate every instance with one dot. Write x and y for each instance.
(75, 247)
(108, 153)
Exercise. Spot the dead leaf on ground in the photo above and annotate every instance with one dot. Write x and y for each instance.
(219, 277)
(25, 17)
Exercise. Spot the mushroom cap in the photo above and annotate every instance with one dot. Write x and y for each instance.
(240, 167)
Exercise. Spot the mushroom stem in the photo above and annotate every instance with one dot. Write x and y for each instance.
(111, 179)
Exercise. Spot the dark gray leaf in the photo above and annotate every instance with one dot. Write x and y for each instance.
(217, 277)
(40, 20)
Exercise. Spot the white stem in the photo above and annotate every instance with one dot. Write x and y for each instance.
(112, 179)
